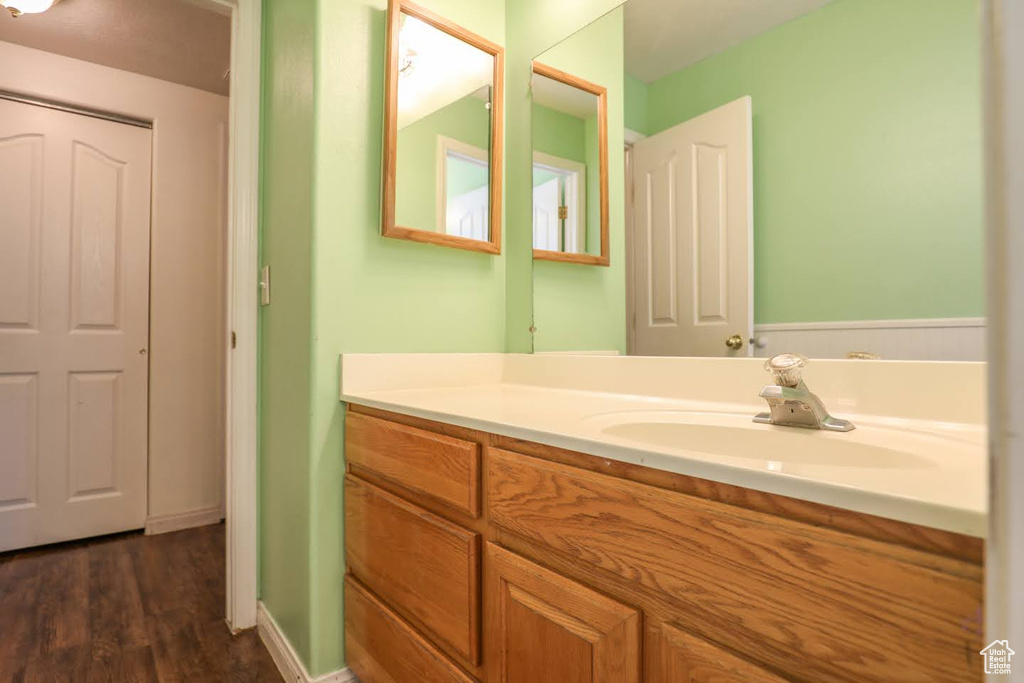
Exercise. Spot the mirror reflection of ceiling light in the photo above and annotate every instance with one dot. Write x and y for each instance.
(19, 7)
(435, 69)
(408, 62)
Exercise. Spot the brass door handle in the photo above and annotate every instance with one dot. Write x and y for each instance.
(735, 342)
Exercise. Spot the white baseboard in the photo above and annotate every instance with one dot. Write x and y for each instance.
(283, 654)
(162, 524)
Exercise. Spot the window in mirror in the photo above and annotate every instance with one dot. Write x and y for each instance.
(442, 157)
(570, 168)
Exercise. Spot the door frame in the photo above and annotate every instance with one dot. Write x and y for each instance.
(630, 138)
(575, 193)
(1002, 43)
(466, 151)
(242, 298)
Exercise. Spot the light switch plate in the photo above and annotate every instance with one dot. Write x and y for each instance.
(265, 286)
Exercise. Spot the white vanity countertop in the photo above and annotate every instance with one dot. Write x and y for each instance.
(912, 458)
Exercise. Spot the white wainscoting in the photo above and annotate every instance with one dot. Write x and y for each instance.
(958, 339)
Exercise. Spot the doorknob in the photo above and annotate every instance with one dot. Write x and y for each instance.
(735, 342)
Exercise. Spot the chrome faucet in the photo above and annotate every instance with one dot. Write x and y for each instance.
(790, 402)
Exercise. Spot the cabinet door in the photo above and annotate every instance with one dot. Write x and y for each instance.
(675, 656)
(545, 627)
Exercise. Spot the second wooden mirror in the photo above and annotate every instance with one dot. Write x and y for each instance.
(570, 168)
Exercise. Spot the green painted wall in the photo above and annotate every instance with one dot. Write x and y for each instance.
(867, 158)
(373, 294)
(636, 105)
(584, 307)
(532, 26)
(467, 120)
(286, 369)
(340, 287)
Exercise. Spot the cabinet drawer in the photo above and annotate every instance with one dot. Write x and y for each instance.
(425, 568)
(805, 601)
(438, 466)
(382, 648)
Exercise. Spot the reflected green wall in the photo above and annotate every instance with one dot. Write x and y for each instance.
(636, 106)
(867, 157)
(584, 307)
(532, 26)
(467, 120)
(464, 176)
(558, 134)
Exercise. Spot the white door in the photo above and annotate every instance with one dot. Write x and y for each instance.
(74, 321)
(546, 226)
(467, 214)
(693, 236)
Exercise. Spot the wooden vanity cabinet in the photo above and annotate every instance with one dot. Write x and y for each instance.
(546, 627)
(576, 568)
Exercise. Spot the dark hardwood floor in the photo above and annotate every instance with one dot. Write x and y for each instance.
(124, 608)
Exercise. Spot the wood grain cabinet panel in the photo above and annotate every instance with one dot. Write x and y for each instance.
(545, 627)
(438, 466)
(424, 567)
(382, 648)
(808, 601)
(675, 656)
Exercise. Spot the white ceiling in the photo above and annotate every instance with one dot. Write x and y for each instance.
(663, 36)
(441, 69)
(182, 41)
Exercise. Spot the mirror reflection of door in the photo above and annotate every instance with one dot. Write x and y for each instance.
(559, 204)
(693, 280)
(463, 189)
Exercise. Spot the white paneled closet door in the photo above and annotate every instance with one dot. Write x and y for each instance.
(74, 325)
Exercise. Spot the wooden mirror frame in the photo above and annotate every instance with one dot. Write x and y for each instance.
(602, 157)
(388, 228)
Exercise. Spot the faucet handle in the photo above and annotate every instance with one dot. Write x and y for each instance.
(786, 368)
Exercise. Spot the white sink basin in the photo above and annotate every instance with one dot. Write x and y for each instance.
(734, 442)
(736, 439)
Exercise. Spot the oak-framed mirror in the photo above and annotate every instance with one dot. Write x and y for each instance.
(442, 132)
(570, 168)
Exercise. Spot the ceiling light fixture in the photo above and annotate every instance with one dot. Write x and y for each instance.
(19, 7)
